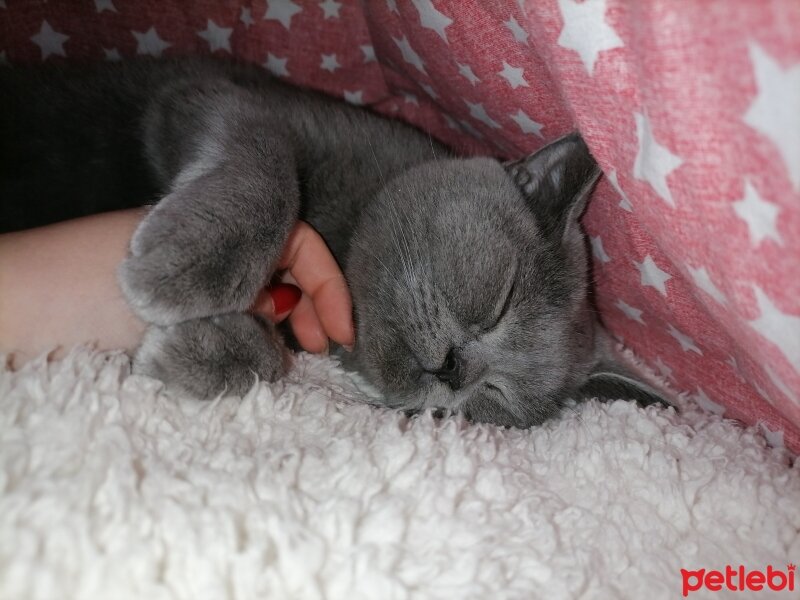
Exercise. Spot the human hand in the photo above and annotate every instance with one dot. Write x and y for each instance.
(311, 292)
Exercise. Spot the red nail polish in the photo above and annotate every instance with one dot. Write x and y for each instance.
(285, 297)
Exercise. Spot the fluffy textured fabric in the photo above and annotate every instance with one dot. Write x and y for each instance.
(109, 488)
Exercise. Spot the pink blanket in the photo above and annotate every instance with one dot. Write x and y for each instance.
(691, 108)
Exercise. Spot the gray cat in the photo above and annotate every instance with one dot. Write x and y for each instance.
(469, 277)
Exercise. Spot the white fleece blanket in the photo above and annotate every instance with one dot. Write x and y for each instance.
(111, 489)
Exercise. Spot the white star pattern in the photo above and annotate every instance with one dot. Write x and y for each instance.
(760, 216)
(466, 71)
(652, 276)
(703, 280)
(780, 328)
(409, 55)
(218, 38)
(707, 404)
(761, 392)
(330, 9)
(392, 6)
(735, 366)
(513, 75)
(663, 369)
(276, 65)
(775, 112)
(624, 203)
(101, 5)
(517, 30)
(149, 42)
(246, 18)
(687, 343)
(774, 438)
(430, 18)
(356, 97)
(597, 249)
(450, 122)
(586, 31)
(526, 124)
(466, 126)
(632, 313)
(281, 11)
(112, 54)
(654, 162)
(477, 111)
(410, 98)
(329, 63)
(429, 90)
(50, 41)
(369, 53)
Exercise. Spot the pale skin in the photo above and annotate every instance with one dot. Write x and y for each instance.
(58, 289)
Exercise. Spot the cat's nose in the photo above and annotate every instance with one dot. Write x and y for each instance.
(452, 370)
(459, 370)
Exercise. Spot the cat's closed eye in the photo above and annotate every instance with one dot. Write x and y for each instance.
(499, 313)
(494, 390)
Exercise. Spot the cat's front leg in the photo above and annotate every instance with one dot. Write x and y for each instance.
(207, 357)
(209, 246)
(213, 241)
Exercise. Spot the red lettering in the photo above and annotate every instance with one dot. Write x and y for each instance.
(771, 574)
(739, 579)
(692, 587)
(755, 580)
(729, 576)
(714, 580)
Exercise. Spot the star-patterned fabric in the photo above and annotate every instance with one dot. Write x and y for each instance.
(691, 108)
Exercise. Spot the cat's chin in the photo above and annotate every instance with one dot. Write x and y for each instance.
(500, 420)
(474, 409)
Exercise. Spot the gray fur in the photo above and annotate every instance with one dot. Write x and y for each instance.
(213, 355)
(469, 277)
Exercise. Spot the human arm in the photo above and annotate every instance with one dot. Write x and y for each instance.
(58, 288)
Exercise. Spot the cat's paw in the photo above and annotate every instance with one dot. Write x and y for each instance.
(208, 357)
(189, 261)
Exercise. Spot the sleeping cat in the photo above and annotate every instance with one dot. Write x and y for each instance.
(469, 277)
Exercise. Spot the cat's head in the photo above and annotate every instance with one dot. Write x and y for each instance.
(470, 286)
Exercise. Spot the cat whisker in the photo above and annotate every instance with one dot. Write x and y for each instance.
(377, 164)
(383, 264)
(403, 247)
(386, 188)
(430, 140)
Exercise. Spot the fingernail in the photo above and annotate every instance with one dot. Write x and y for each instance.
(348, 347)
(285, 297)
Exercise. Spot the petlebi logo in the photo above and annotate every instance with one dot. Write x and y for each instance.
(739, 579)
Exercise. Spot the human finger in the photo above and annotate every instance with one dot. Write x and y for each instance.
(307, 328)
(311, 265)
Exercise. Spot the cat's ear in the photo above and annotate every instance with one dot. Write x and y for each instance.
(609, 379)
(556, 182)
